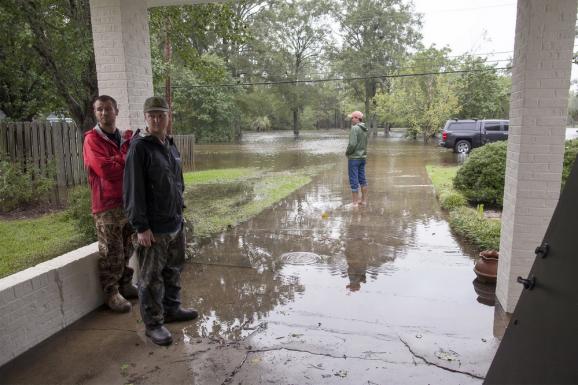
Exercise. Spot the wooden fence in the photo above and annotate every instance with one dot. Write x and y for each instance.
(45, 144)
(186, 146)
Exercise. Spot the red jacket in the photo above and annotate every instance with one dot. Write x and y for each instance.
(104, 163)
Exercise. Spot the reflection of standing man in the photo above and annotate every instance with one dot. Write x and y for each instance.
(357, 154)
(153, 201)
(104, 151)
(356, 269)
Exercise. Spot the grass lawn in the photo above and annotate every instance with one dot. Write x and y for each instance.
(27, 242)
(218, 176)
(442, 177)
(219, 199)
(482, 232)
(216, 200)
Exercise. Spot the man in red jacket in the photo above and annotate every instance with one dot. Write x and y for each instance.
(104, 154)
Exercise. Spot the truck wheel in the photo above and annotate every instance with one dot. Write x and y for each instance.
(463, 147)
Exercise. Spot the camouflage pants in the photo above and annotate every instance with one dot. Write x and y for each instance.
(114, 248)
(160, 272)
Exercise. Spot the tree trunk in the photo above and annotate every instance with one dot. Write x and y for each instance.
(168, 55)
(296, 122)
(79, 104)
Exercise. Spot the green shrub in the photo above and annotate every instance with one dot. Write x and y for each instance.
(261, 123)
(480, 231)
(21, 186)
(571, 150)
(451, 199)
(79, 211)
(481, 178)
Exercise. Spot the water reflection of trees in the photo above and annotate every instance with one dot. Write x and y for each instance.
(239, 278)
(232, 297)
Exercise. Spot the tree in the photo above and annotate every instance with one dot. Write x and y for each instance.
(426, 101)
(180, 36)
(208, 112)
(482, 92)
(25, 87)
(296, 32)
(48, 29)
(376, 37)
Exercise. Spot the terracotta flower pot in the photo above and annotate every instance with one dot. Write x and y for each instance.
(490, 254)
(486, 267)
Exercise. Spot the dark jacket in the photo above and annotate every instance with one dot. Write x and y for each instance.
(153, 185)
(357, 147)
(104, 163)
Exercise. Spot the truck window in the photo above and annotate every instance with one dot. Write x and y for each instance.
(506, 126)
(462, 126)
(492, 126)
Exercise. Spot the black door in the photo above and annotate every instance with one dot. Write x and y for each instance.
(540, 345)
(493, 131)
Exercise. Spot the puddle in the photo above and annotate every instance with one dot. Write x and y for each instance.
(300, 258)
(316, 258)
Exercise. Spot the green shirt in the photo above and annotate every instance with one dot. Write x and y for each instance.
(357, 147)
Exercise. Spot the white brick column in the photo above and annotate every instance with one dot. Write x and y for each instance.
(123, 59)
(538, 108)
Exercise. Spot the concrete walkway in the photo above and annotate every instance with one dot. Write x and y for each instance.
(312, 291)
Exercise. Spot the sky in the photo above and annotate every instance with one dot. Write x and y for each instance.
(483, 27)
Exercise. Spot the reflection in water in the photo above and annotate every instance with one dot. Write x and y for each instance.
(314, 244)
(486, 292)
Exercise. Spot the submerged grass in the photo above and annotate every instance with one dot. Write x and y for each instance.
(27, 242)
(484, 233)
(215, 205)
(216, 200)
(218, 175)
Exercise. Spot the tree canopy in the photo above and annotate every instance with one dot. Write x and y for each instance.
(255, 64)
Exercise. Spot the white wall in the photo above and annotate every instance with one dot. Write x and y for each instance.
(538, 107)
(42, 300)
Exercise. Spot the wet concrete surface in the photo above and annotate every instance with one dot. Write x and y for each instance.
(311, 291)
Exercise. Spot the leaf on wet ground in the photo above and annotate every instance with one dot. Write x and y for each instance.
(124, 369)
(341, 373)
(447, 355)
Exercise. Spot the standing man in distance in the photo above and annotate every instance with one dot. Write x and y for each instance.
(104, 152)
(357, 154)
(153, 201)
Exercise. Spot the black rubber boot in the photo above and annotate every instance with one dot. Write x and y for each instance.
(160, 335)
(128, 290)
(181, 315)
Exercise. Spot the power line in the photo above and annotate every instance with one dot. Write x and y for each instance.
(246, 71)
(336, 79)
(467, 9)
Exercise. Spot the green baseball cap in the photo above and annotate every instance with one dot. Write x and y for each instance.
(156, 103)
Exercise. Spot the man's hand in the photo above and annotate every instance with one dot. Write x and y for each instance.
(146, 238)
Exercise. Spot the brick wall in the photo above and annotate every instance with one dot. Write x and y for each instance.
(40, 301)
(538, 107)
(122, 51)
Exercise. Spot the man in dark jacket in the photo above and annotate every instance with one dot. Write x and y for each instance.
(104, 152)
(357, 154)
(153, 201)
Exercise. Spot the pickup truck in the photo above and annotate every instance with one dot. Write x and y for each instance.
(463, 135)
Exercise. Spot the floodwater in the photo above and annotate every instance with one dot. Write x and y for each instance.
(312, 290)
